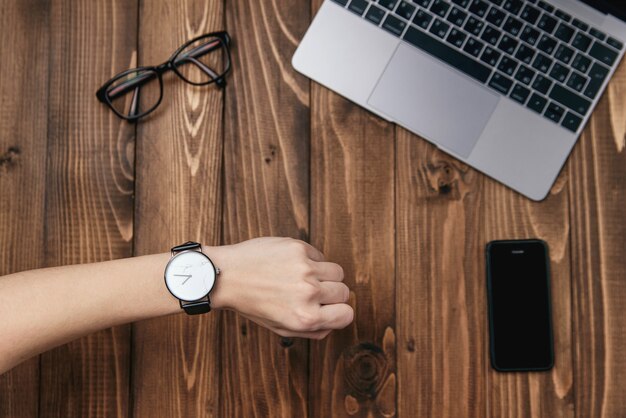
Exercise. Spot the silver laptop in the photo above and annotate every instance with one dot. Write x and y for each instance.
(503, 85)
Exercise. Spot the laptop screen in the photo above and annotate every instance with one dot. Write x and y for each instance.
(614, 7)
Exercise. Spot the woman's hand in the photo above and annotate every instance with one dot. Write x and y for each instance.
(282, 284)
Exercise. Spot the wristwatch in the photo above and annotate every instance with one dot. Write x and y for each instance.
(190, 276)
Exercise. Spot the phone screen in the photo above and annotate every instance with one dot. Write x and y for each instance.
(519, 305)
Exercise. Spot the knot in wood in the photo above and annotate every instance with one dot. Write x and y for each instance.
(366, 368)
(10, 157)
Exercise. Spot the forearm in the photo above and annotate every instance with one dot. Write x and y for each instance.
(41, 309)
(280, 283)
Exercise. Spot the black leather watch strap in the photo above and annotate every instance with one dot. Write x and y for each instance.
(189, 245)
(198, 307)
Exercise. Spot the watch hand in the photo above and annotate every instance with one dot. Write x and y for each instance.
(188, 276)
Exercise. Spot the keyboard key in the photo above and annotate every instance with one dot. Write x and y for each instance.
(562, 15)
(341, 2)
(405, 10)
(439, 28)
(545, 6)
(473, 47)
(564, 53)
(423, 3)
(554, 112)
(375, 14)
(530, 14)
(389, 4)
(525, 54)
(490, 56)
(394, 25)
(520, 93)
(358, 6)
(542, 63)
(547, 23)
(547, 44)
(479, 7)
(530, 35)
(571, 122)
(501, 83)
(474, 26)
(580, 25)
(497, 2)
(456, 37)
(495, 16)
(576, 81)
(508, 65)
(615, 43)
(581, 63)
(537, 103)
(508, 44)
(491, 35)
(564, 32)
(447, 54)
(440, 7)
(422, 18)
(570, 99)
(462, 3)
(602, 53)
(559, 73)
(581, 42)
(457, 16)
(524, 74)
(542, 84)
(513, 26)
(513, 6)
(597, 34)
(597, 74)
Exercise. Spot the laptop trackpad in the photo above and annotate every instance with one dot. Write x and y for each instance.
(433, 100)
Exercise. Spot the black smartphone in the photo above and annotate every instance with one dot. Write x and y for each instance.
(518, 293)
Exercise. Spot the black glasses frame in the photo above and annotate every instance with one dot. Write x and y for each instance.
(147, 73)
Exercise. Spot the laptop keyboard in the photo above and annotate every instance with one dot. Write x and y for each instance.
(527, 50)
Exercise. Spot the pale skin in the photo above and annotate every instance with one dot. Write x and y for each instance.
(282, 284)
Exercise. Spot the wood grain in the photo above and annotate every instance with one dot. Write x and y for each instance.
(440, 288)
(275, 154)
(89, 196)
(179, 163)
(266, 193)
(508, 215)
(24, 28)
(597, 170)
(353, 371)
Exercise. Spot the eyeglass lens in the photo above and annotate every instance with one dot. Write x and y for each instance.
(202, 61)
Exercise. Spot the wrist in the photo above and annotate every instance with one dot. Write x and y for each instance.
(222, 295)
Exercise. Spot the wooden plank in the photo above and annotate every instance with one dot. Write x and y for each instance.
(441, 293)
(89, 195)
(179, 158)
(266, 193)
(598, 192)
(508, 215)
(23, 134)
(353, 371)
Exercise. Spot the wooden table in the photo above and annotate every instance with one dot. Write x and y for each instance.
(276, 154)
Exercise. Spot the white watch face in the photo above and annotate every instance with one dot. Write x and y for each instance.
(190, 275)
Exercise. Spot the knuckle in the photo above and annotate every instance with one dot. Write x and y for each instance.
(305, 270)
(305, 321)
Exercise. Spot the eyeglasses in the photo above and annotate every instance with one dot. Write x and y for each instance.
(135, 93)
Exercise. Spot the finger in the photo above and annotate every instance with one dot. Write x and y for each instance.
(312, 252)
(314, 335)
(327, 271)
(336, 316)
(333, 292)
